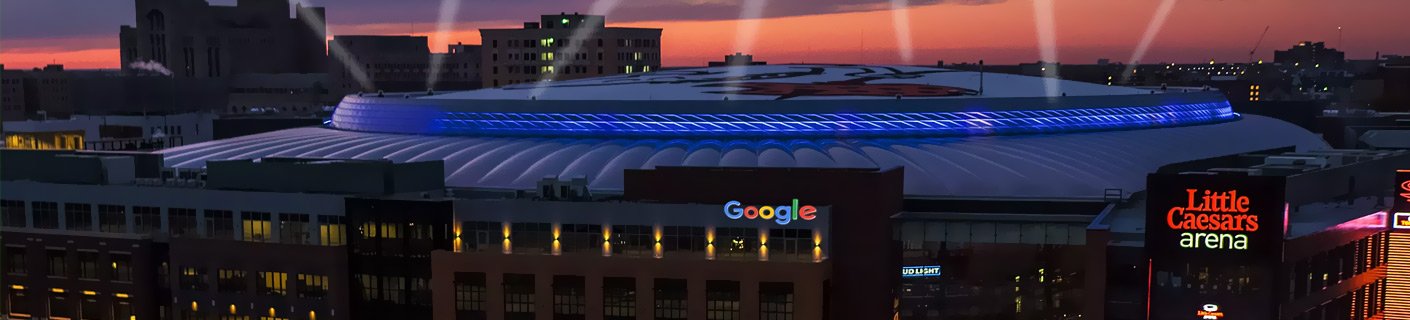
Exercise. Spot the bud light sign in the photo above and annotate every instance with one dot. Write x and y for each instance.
(920, 271)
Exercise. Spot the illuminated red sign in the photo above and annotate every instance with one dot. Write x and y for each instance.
(1213, 220)
(1209, 312)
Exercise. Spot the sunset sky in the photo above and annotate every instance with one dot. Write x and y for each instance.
(83, 33)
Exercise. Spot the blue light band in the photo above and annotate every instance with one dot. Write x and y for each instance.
(415, 120)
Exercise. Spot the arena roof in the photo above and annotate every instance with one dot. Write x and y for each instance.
(1029, 166)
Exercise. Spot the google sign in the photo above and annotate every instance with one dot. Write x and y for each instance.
(782, 214)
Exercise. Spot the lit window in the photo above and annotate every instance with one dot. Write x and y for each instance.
(273, 283)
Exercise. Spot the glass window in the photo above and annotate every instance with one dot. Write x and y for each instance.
(112, 218)
(682, 239)
(12, 212)
(371, 289)
(147, 220)
(255, 226)
(193, 278)
(632, 241)
(737, 243)
(46, 215)
(220, 224)
(670, 297)
(618, 298)
(569, 297)
(776, 301)
(790, 245)
(313, 286)
(78, 217)
(721, 300)
(480, 236)
(58, 263)
(470, 295)
(332, 231)
(518, 296)
(230, 281)
(15, 261)
(121, 267)
(181, 222)
(531, 238)
(273, 283)
(293, 228)
(87, 265)
(394, 289)
(580, 238)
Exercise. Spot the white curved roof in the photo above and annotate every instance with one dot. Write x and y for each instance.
(792, 82)
(1047, 165)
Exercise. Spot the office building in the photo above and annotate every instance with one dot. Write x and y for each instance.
(566, 46)
(402, 63)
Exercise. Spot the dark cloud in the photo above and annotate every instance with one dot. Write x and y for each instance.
(30, 19)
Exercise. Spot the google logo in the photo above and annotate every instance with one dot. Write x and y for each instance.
(781, 214)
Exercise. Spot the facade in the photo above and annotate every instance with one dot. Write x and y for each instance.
(41, 93)
(111, 236)
(193, 39)
(401, 64)
(112, 133)
(280, 94)
(566, 46)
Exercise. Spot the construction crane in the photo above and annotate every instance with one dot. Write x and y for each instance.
(1256, 44)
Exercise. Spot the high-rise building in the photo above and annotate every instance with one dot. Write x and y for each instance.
(193, 39)
(566, 46)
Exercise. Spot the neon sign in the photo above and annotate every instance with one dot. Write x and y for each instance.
(1209, 312)
(1213, 220)
(920, 271)
(1405, 190)
(781, 214)
(1401, 220)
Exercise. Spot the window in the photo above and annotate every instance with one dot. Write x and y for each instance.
(476, 236)
(46, 215)
(776, 301)
(580, 238)
(569, 297)
(394, 289)
(721, 300)
(470, 295)
(293, 228)
(220, 224)
(312, 286)
(78, 217)
(531, 238)
(12, 212)
(790, 245)
(332, 231)
(737, 243)
(122, 267)
(112, 218)
(273, 283)
(518, 296)
(670, 298)
(15, 261)
(181, 222)
(683, 239)
(255, 226)
(369, 285)
(88, 265)
(230, 281)
(147, 220)
(618, 298)
(632, 241)
(193, 278)
(58, 263)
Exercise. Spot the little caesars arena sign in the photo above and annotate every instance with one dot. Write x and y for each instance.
(1213, 213)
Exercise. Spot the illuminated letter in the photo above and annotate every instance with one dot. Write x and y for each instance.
(1192, 192)
(1187, 240)
(1241, 242)
(1170, 217)
(806, 212)
(751, 212)
(766, 212)
(785, 215)
(1241, 204)
(732, 210)
(1252, 223)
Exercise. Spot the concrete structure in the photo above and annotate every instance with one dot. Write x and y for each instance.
(110, 132)
(193, 39)
(402, 63)
(566, 46)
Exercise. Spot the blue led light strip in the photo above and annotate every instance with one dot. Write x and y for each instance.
(795, 125)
